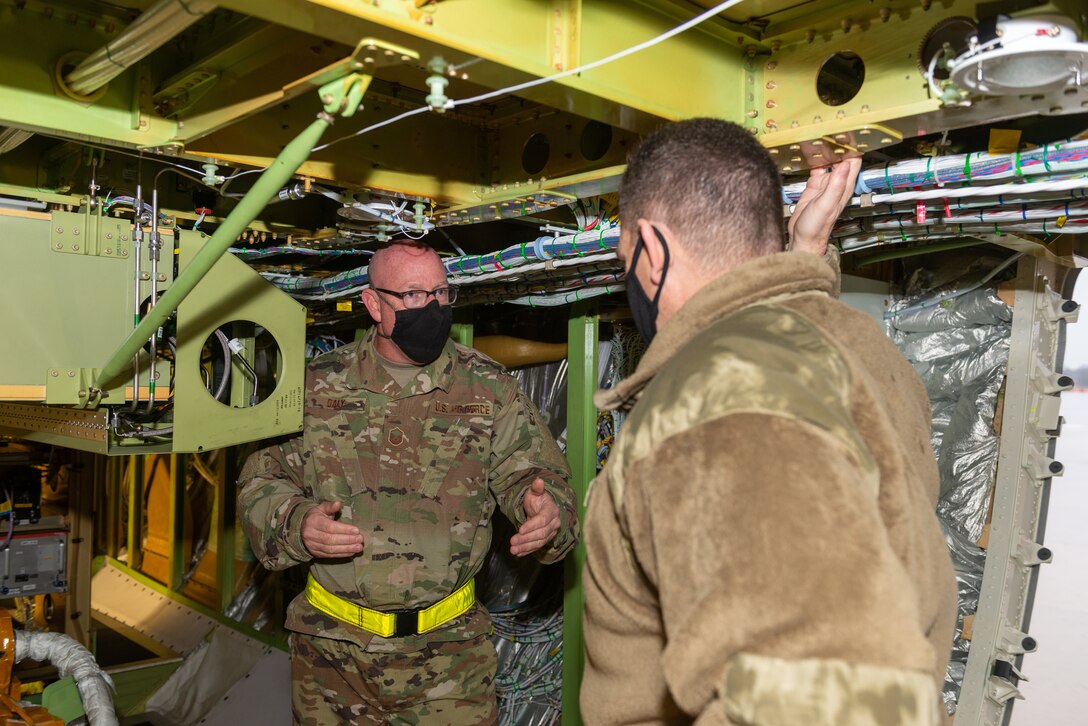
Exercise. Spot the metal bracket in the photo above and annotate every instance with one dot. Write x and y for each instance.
(89, 233)
(69, 386)
(794, 151)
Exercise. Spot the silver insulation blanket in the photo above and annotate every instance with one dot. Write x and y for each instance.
(528, 631)
(960, 349)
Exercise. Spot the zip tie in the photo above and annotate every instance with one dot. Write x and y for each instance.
(189, 10)
(1046, 164)
(929, 160)
(902, 234)
(1044, 228)
(600, 241)
(1024, 212)
(887, 181)
(1019, 171)
(523, 252)
(967, 167)
(996, 230)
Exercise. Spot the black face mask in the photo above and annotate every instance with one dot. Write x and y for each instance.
(421, 333)
(643, 309)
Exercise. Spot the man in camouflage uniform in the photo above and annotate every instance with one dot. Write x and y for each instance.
(409, 443)
(762, 547)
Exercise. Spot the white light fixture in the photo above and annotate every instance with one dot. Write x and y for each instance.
(1029, 55)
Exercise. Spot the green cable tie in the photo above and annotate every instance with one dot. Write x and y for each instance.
(523, 252)
(887, 181)
(902, 234)
(1044, 228)
(1046, 164)
(1019, 171)
(996, 230)
(600, 241)
(929, 160)
(967, 167)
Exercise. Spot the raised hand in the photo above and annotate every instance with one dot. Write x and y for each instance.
(825, 196)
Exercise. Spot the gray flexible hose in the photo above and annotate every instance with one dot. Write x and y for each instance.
(72, 659)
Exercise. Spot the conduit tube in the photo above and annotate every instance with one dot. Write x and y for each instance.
(154, 28)
(72, 659)
(270, 182)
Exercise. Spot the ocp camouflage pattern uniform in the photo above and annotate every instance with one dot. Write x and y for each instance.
(419, 471)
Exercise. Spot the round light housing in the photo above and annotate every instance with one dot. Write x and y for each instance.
(1029, 55)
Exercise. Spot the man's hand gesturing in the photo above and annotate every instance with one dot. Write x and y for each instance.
(542, 524)
(325, 537)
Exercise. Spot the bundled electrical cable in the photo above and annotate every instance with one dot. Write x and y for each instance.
(539, 259)
(529, 680)
(975, 168)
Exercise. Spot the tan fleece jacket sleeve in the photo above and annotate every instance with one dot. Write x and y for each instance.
(781, 599)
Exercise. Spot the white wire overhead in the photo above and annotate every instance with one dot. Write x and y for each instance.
(687, 25)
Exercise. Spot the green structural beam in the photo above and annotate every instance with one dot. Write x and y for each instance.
(582, 456)
(696, 73)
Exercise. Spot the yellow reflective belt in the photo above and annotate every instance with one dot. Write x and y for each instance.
(384, 624)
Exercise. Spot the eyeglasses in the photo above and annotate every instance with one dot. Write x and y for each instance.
(418, 298)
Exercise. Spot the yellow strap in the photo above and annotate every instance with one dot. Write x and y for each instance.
(384, 624)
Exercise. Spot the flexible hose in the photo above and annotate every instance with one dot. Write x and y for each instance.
(72, 659)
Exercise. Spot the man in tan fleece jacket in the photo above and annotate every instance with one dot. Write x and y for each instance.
(762, 547)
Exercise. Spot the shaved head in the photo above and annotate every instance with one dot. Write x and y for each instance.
(400, 267)
(406, 265)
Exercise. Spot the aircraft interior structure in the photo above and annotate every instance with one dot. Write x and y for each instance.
(190, 192)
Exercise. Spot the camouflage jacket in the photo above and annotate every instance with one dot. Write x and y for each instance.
(419, 470)
(762, 546)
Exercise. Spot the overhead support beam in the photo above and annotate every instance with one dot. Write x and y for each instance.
(695, 73)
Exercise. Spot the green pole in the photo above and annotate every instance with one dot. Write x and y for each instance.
(269, 183)
(582, 456)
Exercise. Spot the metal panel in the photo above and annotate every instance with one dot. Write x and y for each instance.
(865, 295)
(1029, 427)
(123, 599)
(68, 427)
(692, 74)
(69, 310)
(232, 291)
